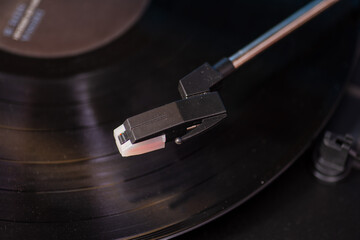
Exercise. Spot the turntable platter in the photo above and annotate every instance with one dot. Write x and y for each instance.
(61, 175)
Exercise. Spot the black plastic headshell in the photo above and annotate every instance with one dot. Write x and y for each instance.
(199, 110)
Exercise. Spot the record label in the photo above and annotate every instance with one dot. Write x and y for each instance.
(40, 28)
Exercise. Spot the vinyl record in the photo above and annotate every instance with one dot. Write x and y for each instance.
(61, 176)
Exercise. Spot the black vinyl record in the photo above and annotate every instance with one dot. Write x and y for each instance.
(61, 175)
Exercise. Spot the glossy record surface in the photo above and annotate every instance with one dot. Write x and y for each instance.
(60, 173)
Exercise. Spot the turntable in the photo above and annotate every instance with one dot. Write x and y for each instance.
(286, 121)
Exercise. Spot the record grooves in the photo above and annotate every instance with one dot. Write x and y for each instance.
(60, 173)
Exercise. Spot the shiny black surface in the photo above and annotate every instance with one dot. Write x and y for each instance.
(60, 173)
(295, 206)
